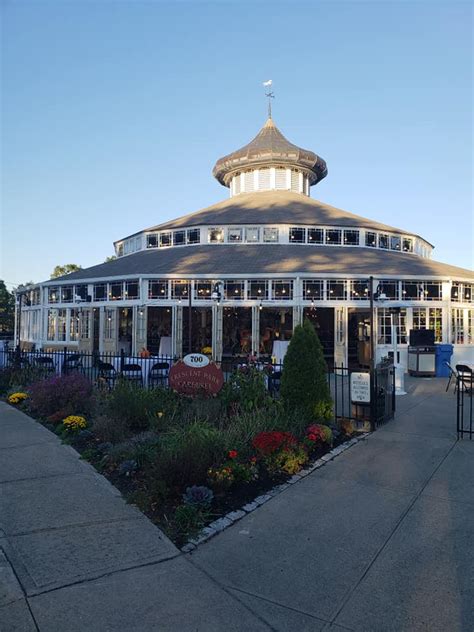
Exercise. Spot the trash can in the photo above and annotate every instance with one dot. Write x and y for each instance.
(443, 354)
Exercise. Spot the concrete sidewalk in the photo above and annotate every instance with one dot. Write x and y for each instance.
(379, 539)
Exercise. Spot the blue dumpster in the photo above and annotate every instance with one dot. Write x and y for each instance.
(443, 354)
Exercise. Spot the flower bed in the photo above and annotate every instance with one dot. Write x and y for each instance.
(184, 462)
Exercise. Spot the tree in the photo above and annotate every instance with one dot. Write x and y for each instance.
(65, 269)
(304, 385)
(111, 258)
(7, 312)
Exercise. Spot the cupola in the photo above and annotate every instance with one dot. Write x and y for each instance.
(269, 162)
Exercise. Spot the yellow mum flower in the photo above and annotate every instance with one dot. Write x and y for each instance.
(17, 398)
(74, 422)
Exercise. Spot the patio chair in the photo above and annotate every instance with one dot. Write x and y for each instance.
(158, 374)
(452, 374)
(274, 380)
(132, 373)
(107, 374)
(73, 362)
(45, 363)
(464, 377)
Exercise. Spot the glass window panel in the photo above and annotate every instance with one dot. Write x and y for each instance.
(234, 290)
(66, 294)
(131, 290)
(152, 240)
(456, 292)
(351, 237)
(53, 295)
(371, 239)
(313, 289)
(62, 325)
(258, 289)
(179, 289)
(432, 291)
(333, 236)
(336, 290)
(297, 235)
(389, 288)
(270, 235)
(179, 237)
(165, 238)
(457, 326)
(435, 322)
(419, 318)
(359, 290)
(80, 292)
(158, 289)
(412, 290)
(315, 236)
(252, 234)
(384, 241)
(74, 325)
(116, 291)
(234, 235)
(193, 236)
(203, 290)
(282, 290)
(467, 292)
(216, 235)
(100, 292)
(119, 250)
(395, 242)
(407, 244)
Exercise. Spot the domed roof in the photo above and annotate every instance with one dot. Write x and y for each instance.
(270, 147)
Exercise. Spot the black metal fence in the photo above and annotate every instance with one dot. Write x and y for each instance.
(464, 420)
(366, 402)
(104, 369)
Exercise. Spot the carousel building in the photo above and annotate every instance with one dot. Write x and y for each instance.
(238, 276)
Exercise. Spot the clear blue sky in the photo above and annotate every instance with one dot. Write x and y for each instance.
(113, 114)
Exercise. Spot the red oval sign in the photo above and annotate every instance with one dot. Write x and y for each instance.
(192, 381)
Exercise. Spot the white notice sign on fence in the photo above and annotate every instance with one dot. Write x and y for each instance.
(360, 387)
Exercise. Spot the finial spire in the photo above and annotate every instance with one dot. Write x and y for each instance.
(269, 94)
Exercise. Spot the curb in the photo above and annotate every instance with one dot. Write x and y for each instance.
(229, 519)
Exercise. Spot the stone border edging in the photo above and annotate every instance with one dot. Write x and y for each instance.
(229, 519)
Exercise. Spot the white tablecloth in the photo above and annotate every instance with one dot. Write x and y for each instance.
(280, 348)
(165, 346)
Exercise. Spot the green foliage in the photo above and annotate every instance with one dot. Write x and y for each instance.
(245, 390)
(141, 448)
(304, 381)
(108, 429)
(16, 378)
(60, 271)
(324, 411)
(7, 311)
(139, 408)
(188, 521)
(187, 453)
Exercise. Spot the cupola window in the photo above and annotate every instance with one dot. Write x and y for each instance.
(179, 237)
(249, 182)
(383, 241)
(270, 235)
(252, 234)
(295, 180)
(407, 244)
(152, 240)
(395, 242)
(263, 179)
(280, 178)
(371, 239)
(193, 236)
(165, 239)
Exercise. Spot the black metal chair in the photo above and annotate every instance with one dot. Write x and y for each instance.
(274, 380)
(158, 375)
(132, 373)
(107, 374)
(45, 363)
(452, 374)
(72, 363)
(464, 379)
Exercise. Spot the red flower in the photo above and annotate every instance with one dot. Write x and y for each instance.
(232, 454)
(312, 437)
(269, 442)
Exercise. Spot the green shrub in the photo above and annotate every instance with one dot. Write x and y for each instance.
(304, 378)
(141, 448)
(18, 378)
(187, 453)
(245, 390)
(138, 408)
(188, 521)
(110, 430)
(239, 430)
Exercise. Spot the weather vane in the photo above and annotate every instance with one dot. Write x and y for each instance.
(269, 94)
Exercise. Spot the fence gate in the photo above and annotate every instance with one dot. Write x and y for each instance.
(364, 399)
